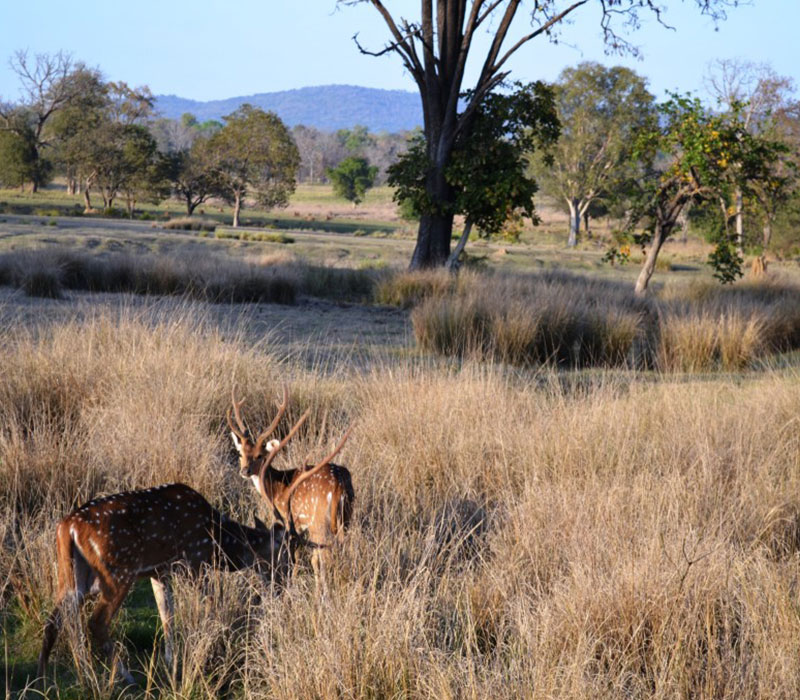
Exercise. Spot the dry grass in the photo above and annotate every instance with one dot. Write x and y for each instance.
(642, 539)
(210, 277)
(572, 320)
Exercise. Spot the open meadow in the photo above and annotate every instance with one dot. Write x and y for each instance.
(562, 491)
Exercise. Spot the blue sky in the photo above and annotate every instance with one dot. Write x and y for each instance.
(240, 47)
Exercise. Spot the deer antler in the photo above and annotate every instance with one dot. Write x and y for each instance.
(281, 410)
(273, 453)
(335, 452)
(242, 431)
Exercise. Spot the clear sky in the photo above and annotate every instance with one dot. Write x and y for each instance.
(225, 48)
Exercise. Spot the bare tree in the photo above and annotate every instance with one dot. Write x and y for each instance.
(434, 51)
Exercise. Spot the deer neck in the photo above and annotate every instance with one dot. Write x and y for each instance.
(276, 482)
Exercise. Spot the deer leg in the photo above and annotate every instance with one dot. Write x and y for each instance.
(100, 622)
(318, 563)
(70, 601)
(166, 610)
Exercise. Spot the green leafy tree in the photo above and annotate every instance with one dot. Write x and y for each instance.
(124, 158)
(488, 174)
(194, 176)
(758, 99)
(18, 161)
(149, 171)
(254, 155)
(355, 140)
(601, 110)
(118, 149)
(47, 85)
(692, 156)
(72, 127)
(352, 178)
(435, 49)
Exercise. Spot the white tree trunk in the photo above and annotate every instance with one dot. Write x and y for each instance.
(574, 222)
(237, 205)
(739, 227)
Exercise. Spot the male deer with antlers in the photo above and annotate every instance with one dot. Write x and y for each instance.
(320, 509)
(108, 543)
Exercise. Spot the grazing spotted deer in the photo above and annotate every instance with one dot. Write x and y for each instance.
(320, 509)
(107, 544)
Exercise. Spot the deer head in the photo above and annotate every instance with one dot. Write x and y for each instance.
(256, 455)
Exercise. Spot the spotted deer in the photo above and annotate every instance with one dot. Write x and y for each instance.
(320, 509)
(107, 544)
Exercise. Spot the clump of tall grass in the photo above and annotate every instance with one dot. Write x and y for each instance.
(554, 318)
(188, 223)
(572, 320)
(208, 278)
(407, 289)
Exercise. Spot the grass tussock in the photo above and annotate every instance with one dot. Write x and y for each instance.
(575, 321)
(551, 319)
(272, 279)
(635, 540)
(188, 223)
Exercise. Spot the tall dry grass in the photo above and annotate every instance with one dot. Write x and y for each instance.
(640, 539)
(571, 320)
(49, 273)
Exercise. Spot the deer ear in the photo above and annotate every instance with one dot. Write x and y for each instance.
(272, 444)
(236, 442)
(259, 523)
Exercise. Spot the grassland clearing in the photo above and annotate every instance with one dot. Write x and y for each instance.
(640, 526)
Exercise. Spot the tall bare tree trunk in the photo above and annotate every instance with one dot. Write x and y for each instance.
(433, 241)
(87, 200)
(766, 232)
(435, 230)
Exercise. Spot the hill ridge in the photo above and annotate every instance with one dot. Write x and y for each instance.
(325, 107)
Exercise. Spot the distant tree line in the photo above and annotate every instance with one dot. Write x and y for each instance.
(105, 139)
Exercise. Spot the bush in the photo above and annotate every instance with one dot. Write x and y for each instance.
(408, 289)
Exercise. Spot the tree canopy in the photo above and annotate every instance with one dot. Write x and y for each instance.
(254, 154)
(434, 50)
(352, 178)
(601, 111)
(693, 155)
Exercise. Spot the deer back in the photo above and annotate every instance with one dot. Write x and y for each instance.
(145, 533)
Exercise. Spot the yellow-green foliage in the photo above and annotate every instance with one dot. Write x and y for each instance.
(642, 537)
